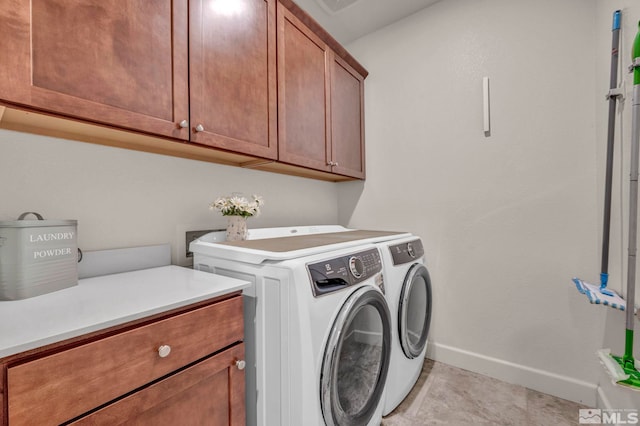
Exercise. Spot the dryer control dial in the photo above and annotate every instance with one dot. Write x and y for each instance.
(406, 252)
(411, 251)
(356, 266)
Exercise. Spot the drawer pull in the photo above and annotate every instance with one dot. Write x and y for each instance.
(164, 351)
(240, 364)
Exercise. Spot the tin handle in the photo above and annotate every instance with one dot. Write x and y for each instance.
(25, 214)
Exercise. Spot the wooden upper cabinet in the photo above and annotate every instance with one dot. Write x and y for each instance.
(347, 119)
(303, 78)
(320, 101)
(232, 48)
(113, 62)
(255, 79)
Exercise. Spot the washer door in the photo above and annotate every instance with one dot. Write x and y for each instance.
(356, 360)
(414, 311)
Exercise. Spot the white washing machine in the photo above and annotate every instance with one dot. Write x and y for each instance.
(408, 292)
(317, 325)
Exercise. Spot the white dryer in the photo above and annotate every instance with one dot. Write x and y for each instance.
(408, 292)
(317, 325)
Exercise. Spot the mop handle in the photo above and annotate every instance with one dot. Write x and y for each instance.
(611, 127)
(633, 188)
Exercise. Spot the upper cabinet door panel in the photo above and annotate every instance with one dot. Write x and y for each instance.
(303, 79)
(233, 75)
(115, 62)
(347, 119)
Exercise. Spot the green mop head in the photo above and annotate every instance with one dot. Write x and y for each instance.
(622, 371)
(633, 379)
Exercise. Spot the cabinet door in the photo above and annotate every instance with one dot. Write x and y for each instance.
(4, 418)
(304, 130)
(117, 62)
(347, 119)
(208, 393)
(232, 81)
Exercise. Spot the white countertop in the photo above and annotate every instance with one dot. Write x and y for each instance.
(101, 302)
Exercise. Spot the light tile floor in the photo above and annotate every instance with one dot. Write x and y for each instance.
(445, 395)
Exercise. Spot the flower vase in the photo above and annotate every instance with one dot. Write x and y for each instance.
(236, 228)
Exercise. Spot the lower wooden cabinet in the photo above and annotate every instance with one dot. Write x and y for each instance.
(208, 393)
(183, 368)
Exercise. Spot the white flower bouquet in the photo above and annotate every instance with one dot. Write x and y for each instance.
(238, 205)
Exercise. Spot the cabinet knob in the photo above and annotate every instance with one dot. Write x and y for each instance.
(335, 163)
(329, 163)
(164, 351)
(199, 128)
(241, 364)
(184, 124)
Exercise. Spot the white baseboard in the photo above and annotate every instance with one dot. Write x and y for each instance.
(603, 400)
(614, 397)
(543, 381)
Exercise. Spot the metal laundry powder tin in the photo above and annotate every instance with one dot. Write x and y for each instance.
(37, 256)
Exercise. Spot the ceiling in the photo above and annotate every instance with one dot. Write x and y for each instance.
(359, 17)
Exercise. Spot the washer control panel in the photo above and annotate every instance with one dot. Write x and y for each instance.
(406, 252)
(340, 272)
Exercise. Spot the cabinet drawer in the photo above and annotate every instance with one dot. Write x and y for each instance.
(208, 393)
(64, 385)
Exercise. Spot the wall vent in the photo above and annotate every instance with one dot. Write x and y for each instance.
(335, 6)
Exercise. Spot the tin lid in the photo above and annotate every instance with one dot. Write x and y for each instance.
(36, 223)
(21, 223)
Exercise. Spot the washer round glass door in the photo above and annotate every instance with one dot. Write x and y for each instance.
(414, 311)
(356, 360)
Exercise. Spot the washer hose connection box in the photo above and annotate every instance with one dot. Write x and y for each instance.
(37, 256)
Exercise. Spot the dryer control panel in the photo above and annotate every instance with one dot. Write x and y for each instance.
(406, 252)
(340, 272)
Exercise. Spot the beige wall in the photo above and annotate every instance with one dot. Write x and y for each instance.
(509, 219)
(125, 198)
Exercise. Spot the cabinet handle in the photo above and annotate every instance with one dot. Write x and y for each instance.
(335, 163)
(199, 128)
(164, 351)
(241, 364)
(184, 124)
(330, 163)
